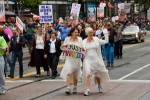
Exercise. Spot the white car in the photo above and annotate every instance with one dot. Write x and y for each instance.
(133, 33)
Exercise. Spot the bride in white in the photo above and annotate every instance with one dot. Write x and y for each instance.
(71, 67)
(93, 64)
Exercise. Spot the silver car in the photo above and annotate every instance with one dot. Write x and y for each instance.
(133, 33)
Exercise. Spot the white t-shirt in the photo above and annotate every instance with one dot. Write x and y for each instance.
(52, 46)
(39, 42)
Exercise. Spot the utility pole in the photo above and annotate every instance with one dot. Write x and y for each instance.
(7, 5)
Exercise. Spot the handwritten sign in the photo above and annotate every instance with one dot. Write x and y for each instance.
(75, 10)
(2, 11)
(73, 51)
(46, 13)
(20, 24)
(100, 10)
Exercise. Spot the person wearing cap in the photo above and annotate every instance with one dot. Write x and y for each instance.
(16, 45)
(64, 30)
(3, 48)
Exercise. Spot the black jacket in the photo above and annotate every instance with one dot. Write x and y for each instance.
(112, 33)
(57, 46)
(17, 47)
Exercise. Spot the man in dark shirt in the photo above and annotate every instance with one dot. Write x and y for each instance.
(83, 34)
(16, 45)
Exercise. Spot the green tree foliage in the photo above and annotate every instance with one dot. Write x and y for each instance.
(146, 3)
(30, 4)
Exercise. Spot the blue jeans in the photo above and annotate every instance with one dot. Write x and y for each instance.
(7, 58)
(110, 53)
(16, 55)
(103, 51)
(2, 76)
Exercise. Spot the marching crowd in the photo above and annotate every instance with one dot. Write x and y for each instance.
(100, 41)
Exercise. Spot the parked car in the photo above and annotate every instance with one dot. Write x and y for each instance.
(133, 33)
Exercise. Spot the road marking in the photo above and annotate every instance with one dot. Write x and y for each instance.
(130, 81)
(54, 80)
(29, 74)
(29, 81)
(19, 81)
(135, 45)
(61, 80)
(134, 72)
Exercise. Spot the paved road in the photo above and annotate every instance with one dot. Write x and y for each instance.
(129, 80)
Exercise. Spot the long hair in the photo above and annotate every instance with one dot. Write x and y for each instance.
(72, 30)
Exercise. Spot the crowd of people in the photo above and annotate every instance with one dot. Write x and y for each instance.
(101, 40)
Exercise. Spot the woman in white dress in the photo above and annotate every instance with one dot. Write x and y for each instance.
(93, 64)
(71, 67)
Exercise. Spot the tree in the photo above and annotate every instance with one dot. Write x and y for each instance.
(29, 4)
(145, 4)
(26, 4)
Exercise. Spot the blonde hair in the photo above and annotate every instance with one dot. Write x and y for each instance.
(88, 29)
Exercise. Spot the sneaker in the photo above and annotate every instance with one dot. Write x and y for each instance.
(38, 75)
(74, 90)
(68, 92)
(100, 89)
(87, 93)
(3, 92)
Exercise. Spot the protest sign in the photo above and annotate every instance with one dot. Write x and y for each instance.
(20, 24)
(100, 10)
(75, 10)
(73, 51)
(91, 12)
(127, 7)
(46, 13)
(2, 11)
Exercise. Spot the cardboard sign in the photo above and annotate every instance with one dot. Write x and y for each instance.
(73, 51)
(74, 15)
(20, 24)
(91, 12)
(46, 13)
(2, 11)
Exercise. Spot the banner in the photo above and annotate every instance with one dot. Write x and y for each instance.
(20, 24)
(127, 7)
(46, 13)
(2, 11)
(100, 10)
(122, 15)
(121, 12)
(75, 10)
(91, 12)
(73, 51)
